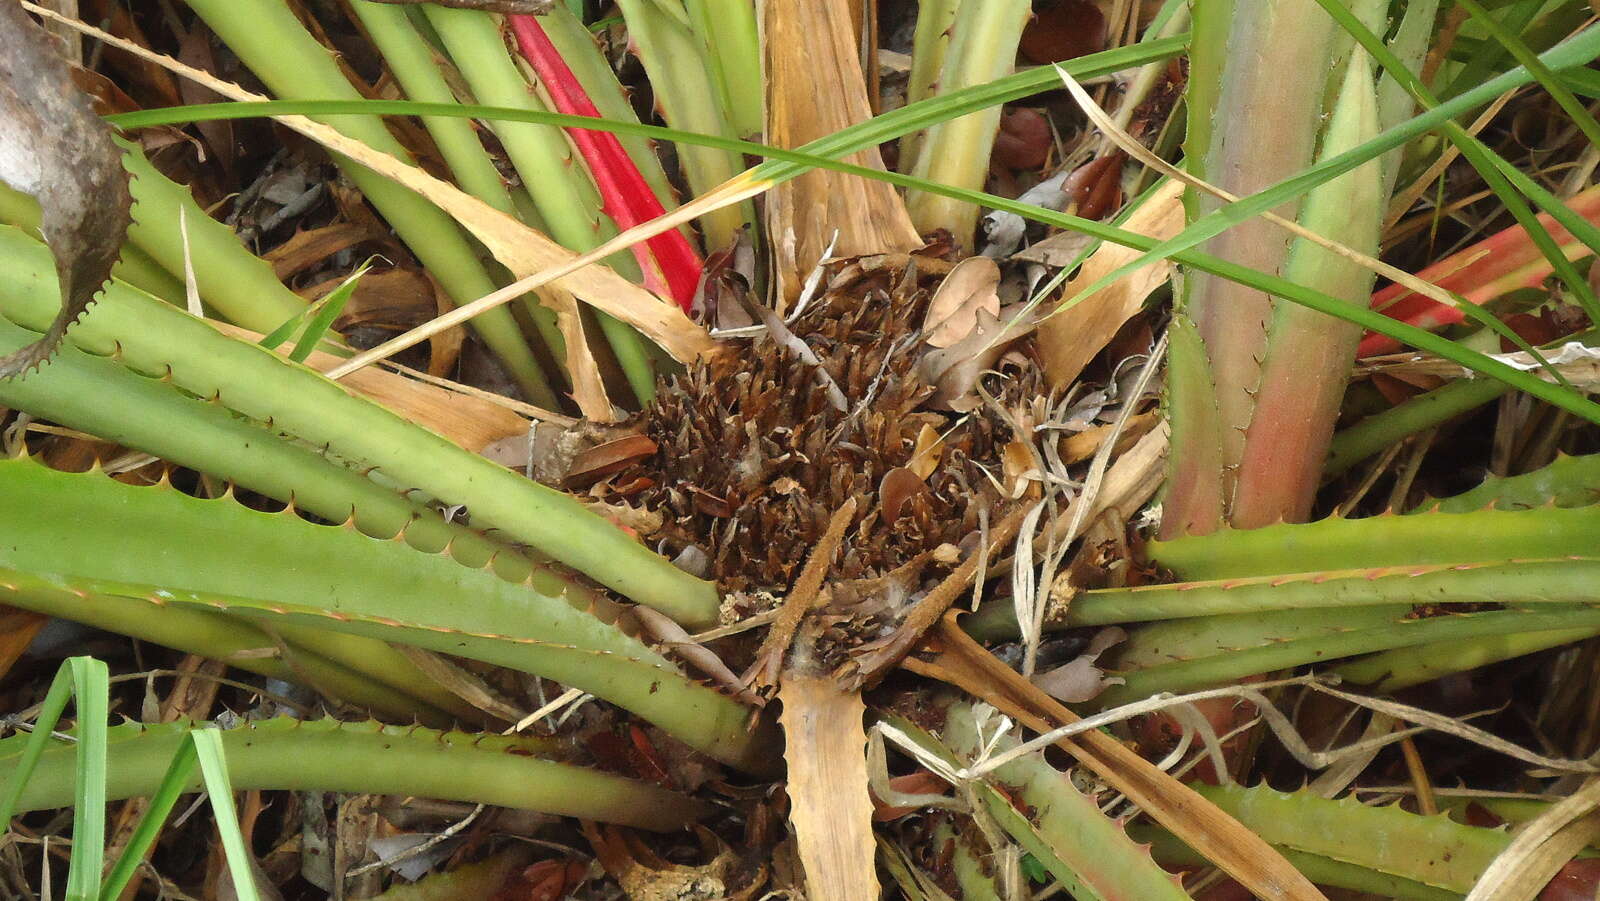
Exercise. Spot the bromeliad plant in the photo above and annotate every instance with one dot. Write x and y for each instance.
(1263, 333)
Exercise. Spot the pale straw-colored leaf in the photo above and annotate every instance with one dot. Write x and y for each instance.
(1541, 847)
(830, 808)
(1069, 339)
(815, 88)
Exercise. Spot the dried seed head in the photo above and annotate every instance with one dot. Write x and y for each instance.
(754, 457)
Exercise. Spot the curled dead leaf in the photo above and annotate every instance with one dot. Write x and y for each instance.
(954, 370)
(595, 463)
(1069, 340)
(921, 782)
(1080, 446)
(1079, 679)
(1024, 140)
(54, 147)
(1096, 187)
(1063, 31)
(1020, 468)
(972, 286)
(898, 486)
(925, 456)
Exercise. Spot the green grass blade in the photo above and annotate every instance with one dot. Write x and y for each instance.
(275, 338)
(1183, 253)
(91, 683)
(325, 312)
(55, 701)
(1503, 178)
(1578, 50)
(1483, 56)
(1530, 61)
(179, 774)
(1582, 81)
(320, 315)
(88, 680)
(874, 131)
(214, 770)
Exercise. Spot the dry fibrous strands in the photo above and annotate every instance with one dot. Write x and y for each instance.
(871, 662)
(763, 674)
(756, 454)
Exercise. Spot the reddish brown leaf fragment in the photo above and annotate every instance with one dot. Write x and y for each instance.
(54, 147)
(1577, 881)
(1064, 31)
(1097, 186)
(921, 782)
(710, 504)
(597, 462)
(898, 486)
(1024, 140)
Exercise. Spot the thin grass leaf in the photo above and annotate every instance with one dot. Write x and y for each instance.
(55, 701)
(875, 131)
(324, 312)
(214, 771)
(317, 319)
(782, 165)
(91, 683)
(1153, 250)
(1503, 178)
(1137, 151)
(1579, 50)
(277, 336)
(1529, 60)
(173, 786)
(1482, 57)
(86, 679)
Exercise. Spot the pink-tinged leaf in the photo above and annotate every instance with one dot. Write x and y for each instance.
(1498, 264)
(1193, 501)
(54, 147)
(670, 264)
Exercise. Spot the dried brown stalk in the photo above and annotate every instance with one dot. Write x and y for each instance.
(959, 661)
(763, 673)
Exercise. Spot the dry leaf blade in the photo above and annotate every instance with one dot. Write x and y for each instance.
(54, 147)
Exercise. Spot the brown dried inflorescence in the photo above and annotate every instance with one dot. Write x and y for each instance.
(755, 457)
